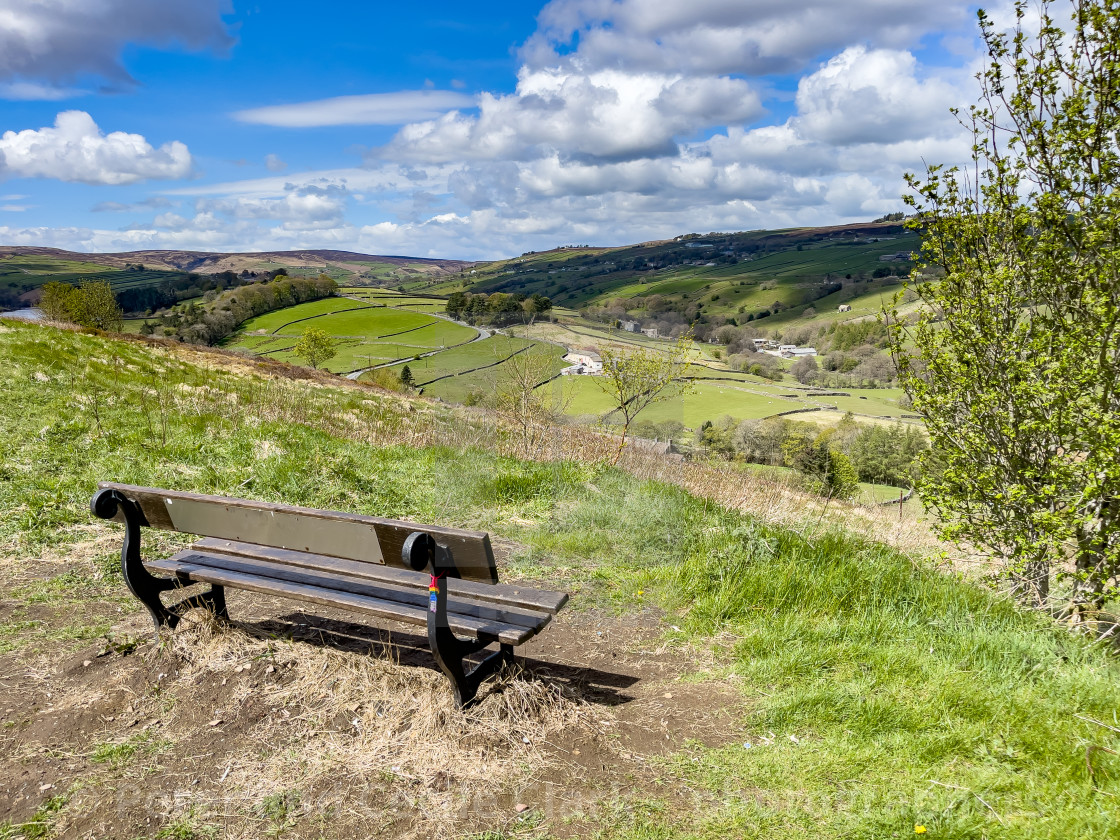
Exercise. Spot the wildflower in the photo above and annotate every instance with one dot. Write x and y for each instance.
(919, 829)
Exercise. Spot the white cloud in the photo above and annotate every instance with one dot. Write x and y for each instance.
(866, 95)
(368, 109)
(57, 41)
(752, 37)
(305, 208)
(611, 114)
(273, 163)
(75, 149)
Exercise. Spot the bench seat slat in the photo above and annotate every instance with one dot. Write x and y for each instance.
(467, 626)
(412, 595)
(505, 594)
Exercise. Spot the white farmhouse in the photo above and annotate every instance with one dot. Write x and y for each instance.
(584, 362)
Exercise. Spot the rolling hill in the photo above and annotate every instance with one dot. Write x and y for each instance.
(732, 275)
(23, 269)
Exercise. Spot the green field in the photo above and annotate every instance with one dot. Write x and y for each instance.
(351, 354)
(367, 335)
(275, 321)
(25, 265)
(375, 331)
(344, 318)
(389, 297)
(707, 401)
(474, 368)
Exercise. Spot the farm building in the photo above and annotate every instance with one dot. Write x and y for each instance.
(584, 362)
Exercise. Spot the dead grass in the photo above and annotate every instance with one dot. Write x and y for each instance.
(337, 722)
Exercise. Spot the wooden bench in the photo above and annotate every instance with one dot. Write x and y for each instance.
(359, 563)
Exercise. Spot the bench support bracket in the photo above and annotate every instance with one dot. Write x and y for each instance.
(143, 584)
(421, 552)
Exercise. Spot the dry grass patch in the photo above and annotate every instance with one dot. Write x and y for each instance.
(334, 723)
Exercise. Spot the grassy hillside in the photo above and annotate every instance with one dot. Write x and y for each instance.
(731, 275)
(22, 274)
(25, 269)
(718, 675)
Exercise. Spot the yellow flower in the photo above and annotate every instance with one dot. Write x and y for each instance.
(919, 829)
(640, 593)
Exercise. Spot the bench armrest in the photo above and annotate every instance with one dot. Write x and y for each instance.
(110, 504)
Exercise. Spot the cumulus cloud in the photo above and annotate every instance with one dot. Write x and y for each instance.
(367, 109)
(57, 41)
(752, 37)
(638, 118)
(609, 114)
(866, 95)
(300, 208)
(75, 149)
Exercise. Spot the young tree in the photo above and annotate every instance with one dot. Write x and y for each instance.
(315, 346)
(636, 378)
(406, 377)
(57, 301)
(91, 305)
(521, 390)
(825, 469)
(1016, 360)
(96, 306)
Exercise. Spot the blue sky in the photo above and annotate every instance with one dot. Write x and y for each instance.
(465, 130)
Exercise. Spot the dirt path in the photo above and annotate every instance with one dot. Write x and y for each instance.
(306, 724)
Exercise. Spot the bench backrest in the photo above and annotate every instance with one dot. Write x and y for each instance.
(349, 536)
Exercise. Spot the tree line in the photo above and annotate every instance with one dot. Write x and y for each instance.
(497, 309)
(833, 460)
(211, 322)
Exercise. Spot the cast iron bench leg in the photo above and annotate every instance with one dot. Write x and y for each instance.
(421, 551)
(142, 583)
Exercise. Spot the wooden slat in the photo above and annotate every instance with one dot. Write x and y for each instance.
(461, 625)
(412, 596)
(326, 532)
(500, 593)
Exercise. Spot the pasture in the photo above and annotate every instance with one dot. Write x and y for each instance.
(390, 329)
(367, 335)
(475, 369)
